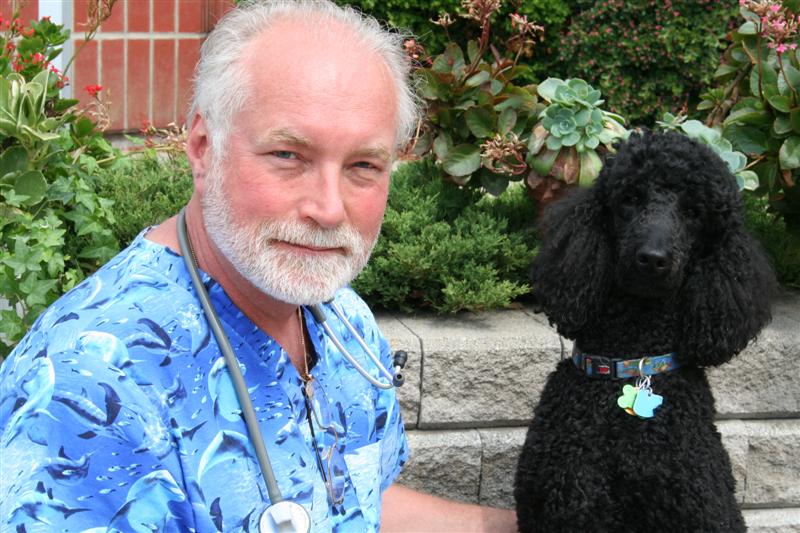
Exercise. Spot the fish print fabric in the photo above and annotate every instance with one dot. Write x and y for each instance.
(117, 412)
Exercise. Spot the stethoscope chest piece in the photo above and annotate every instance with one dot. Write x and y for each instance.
(285, 517)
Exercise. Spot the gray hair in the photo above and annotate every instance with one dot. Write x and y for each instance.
(220, 90)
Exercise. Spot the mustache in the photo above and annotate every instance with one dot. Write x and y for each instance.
(303, 234)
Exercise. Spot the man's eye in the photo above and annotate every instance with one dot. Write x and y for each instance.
(284, 154)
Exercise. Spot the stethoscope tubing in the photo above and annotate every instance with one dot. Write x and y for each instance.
(231, 362)
(320, 317)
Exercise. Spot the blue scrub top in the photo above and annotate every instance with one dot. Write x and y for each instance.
(117, 412)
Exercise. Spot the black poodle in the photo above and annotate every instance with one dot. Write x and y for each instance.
(651, 272)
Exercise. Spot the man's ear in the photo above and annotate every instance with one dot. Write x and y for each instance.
(198, 150)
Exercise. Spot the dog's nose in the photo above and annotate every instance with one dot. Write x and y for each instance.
(653, 261)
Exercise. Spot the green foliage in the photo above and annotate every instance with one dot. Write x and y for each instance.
(147, 189)
(446, 248)
(783, 247)
(711, 137)
(54, 228)
(571, 130)
(478, 120)
(416, 16)
(648, 56)
(756, 103)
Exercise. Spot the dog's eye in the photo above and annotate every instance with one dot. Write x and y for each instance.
(629, 199)
(627, 205)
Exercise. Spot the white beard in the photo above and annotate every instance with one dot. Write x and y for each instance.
(298, 279)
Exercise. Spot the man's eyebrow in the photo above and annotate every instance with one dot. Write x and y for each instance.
(379, 151)
(285, 136)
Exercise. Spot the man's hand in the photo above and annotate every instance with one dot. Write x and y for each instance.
(406, 510)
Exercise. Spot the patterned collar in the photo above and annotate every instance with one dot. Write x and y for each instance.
(597, 366)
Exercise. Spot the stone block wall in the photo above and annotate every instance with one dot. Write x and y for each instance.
(472, 382)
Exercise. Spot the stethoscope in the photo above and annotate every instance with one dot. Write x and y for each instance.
(281, 515)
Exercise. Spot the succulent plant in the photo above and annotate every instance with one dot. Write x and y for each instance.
(563, 148)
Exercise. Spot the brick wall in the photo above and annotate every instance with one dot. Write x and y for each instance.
(143, 55)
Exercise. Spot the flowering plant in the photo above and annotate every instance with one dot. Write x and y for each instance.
(54, 228)
(756, 104)
(478, 119)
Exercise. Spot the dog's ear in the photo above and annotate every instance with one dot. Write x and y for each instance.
(571, 273)
(726, 298)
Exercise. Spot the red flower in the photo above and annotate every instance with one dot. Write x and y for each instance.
(93, 89)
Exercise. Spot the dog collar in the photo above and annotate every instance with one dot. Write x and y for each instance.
(597, 366)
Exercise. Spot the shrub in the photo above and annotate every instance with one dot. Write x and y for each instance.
(783, 247)
(54, 227)
(147, 189)
(448, 249)
(647, 56)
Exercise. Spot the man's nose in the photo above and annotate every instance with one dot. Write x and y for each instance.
(323, 201)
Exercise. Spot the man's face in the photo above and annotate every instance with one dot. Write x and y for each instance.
(297, 201)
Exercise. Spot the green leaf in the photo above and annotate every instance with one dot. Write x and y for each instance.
(768, 78)
(513, 101)
(506, 121)
(782, 125)
(590, 168)
(789, 154)
(747, 139)
(441, 145)
(423, 144)
(98, 252)
(794, 119)
(31, 184)
(13, 159)
(472, 50)
(462, 160)
(547, 89)
(537, 139)
(747, 180)
(36, 290)
(749, 116)
(544, 161)
(495, 184)
(496, 87)
(697, 130)
(62, 104)
(780, 102)
(735, 160)
(748, 28)
(480, 121)
(789, 79)
(477, 79)
(553, 143)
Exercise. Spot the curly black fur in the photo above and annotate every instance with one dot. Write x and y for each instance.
(653, 258)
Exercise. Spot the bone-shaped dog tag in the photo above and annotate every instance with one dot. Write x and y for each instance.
(628, 398)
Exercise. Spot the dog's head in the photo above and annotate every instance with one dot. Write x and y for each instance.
(663, 221)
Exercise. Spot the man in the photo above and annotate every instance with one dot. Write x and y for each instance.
(117, 410)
